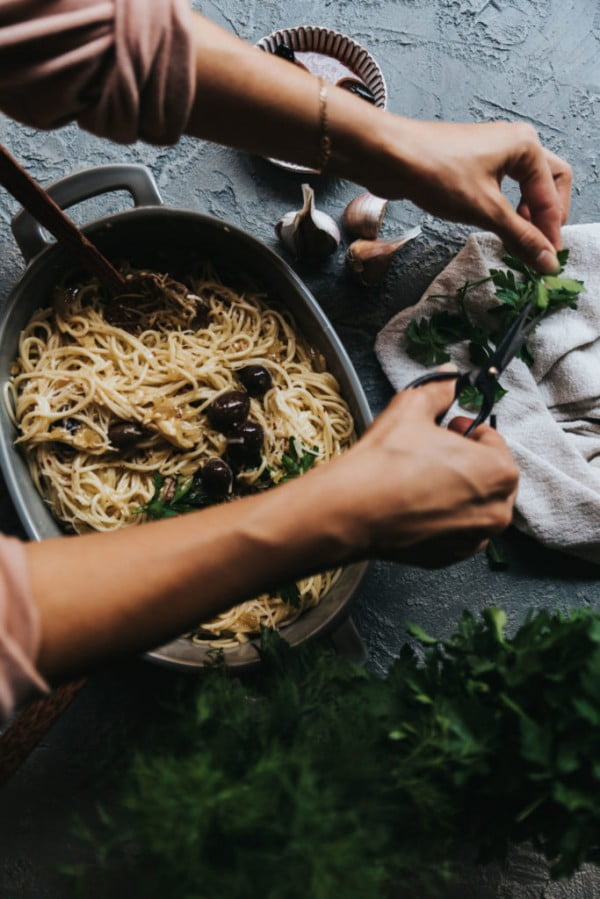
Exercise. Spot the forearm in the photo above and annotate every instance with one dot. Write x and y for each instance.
(254, 101)
(104, 595)
(405, 490)
(257, 102)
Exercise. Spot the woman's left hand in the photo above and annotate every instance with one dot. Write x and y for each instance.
(456, 171)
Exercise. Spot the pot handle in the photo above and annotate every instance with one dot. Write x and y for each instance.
(348, 642)
(138, 180)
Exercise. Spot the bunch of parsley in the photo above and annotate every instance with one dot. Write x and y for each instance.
(428, 339)
(319, 779)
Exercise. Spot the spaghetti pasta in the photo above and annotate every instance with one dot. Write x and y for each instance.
(153, 364)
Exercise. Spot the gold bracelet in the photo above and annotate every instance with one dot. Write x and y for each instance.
(324, 138)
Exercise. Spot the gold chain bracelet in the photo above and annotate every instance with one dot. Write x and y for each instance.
(324, 138)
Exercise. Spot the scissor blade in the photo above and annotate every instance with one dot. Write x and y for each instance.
(513, 340)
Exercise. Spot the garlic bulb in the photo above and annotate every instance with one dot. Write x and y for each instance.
(369, 260)
(308, 233)
(363, 216)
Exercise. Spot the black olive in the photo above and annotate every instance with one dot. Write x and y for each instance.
(125, 434)
(358, 88)
(201, 315)
(68, 424)
(255, 378)
(285, 52)
(216, 477)
(228, 410)
(244, 444)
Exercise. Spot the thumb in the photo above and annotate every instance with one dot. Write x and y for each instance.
(434, 398)
(521, 237)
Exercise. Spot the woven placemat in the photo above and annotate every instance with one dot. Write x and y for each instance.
(25, 732)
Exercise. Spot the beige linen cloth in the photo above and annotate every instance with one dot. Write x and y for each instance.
(550, 416)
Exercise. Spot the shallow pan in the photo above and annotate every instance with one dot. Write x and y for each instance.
(163, 238)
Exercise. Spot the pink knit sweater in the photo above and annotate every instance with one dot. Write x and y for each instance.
(122, 69)
(19, 637)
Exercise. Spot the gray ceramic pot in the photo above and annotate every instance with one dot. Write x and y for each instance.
(166, 239)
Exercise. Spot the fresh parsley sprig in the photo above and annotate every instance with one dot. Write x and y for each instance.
(428, 339)
(319, 778)
(177, 496)
(298, 459)
(290, 594)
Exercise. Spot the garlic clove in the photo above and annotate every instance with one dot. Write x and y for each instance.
(369, 260)
(308, 233)
(363, 216)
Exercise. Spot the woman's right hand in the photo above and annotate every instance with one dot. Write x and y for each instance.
(423, 494)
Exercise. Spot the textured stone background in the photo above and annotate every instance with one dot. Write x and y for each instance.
(468, 60)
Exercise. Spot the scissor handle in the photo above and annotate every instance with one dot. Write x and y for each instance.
(434, 376)
(463, 379)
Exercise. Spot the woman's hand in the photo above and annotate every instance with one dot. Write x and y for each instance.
(253, 100)
(456, 171)
(424, 494)
(409, 490)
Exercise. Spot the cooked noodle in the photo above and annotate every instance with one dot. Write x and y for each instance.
(80, 370)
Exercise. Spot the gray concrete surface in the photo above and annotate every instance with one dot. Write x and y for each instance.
(469, 60)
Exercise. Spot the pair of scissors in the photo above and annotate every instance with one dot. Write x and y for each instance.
(487, 378)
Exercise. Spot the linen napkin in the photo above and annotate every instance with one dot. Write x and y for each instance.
(550, 416)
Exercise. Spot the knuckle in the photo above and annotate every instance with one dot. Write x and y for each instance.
(496, 208)
(504, 516)
(567, 171)
(527, 135)
(499, 517)
(493, 201)
(508, 474)
(401, 400)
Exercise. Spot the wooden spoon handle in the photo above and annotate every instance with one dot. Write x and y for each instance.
(43, 208)
(22, 736)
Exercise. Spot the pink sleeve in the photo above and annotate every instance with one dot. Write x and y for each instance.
(123, 69)
(19, 630)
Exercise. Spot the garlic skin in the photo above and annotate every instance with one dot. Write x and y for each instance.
(363, 216)
(308, 233)
(369, 260)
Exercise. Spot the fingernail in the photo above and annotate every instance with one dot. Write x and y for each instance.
(547, 263)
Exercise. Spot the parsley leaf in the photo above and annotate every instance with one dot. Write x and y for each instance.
(471, 397)
(316, 777)
(428, 338)
(298, 459)
(496, 554)
(290, 594)
(177, 496)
